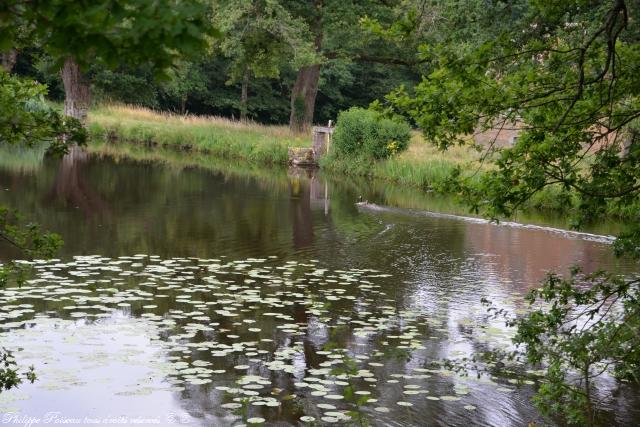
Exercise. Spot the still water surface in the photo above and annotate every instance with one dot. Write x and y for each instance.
(218, 297)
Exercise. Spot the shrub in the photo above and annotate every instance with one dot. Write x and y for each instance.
(366, 132)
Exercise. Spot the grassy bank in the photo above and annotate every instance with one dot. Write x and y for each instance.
(420, 166)
(220, 137)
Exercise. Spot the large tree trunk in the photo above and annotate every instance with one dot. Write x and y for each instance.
(303, 98)
(244, 96)
(9, 59)
(303, 94)
(77, 90)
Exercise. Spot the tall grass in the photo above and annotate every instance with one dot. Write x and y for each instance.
(421, 165)
(214, 135)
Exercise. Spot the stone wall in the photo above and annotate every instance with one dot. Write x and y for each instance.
(500, 134)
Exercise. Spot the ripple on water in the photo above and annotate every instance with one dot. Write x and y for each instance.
(225, 339)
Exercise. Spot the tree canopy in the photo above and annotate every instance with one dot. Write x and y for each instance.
(569, 74)
(566, 75)
(108, 32)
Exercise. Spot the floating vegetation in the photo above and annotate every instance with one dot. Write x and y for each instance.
(265, 336)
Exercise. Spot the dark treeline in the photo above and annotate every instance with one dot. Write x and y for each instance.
(203, 87)
(295, 62)
(279, 61)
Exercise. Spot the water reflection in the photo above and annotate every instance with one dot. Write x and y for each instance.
(72, 190)
(439, 267)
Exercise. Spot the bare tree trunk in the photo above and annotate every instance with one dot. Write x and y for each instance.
(244, 96)
(9, 59)
(305, 89)
(303, 98)
(77, 91)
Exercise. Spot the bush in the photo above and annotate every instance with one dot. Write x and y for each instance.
(366, 132)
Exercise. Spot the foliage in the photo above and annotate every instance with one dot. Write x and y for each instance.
(567, 74)
(29, 239)
(184, 79)
(9, 375)
(360, 131)
(584, 325)
(127, 85)
(261, 37)
(571, 79)
(266, 41)
(110, 32)
(26, 119)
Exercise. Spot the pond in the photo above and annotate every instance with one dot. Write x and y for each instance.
(224, 295)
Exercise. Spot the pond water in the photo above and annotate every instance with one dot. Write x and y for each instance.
(221, 296)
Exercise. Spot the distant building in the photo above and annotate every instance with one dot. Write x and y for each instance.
(505, 134)
(500, 134)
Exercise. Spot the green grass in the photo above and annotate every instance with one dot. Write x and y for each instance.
(220, 137)
(421, 165)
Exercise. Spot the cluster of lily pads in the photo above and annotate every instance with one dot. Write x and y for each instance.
(322, 346)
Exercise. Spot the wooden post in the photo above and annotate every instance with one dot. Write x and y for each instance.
(321, 141)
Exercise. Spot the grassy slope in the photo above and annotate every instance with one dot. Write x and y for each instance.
(214, 135)
(421, 166)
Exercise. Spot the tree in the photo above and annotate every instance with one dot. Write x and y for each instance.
(568, 72)
(260, 38)
(108, 32)
(184, 78)
(337, 36)
(570, 75)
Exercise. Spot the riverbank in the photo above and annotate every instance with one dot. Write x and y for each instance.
(217, 136)
(422, 166)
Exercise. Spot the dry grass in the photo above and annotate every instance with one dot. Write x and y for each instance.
(419, 150)
(422, 165)
(218, 136)
(140, 114)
